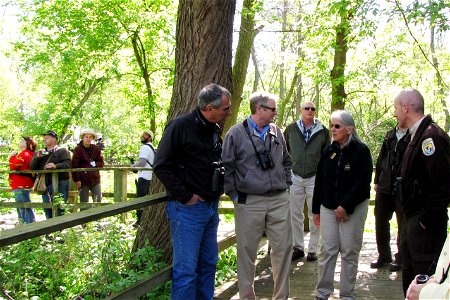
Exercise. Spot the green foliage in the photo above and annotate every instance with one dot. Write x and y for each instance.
(77, 59)
(91, 262)
(226, 265)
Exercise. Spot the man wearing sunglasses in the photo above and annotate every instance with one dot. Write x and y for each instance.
(305, 138)
(257, 175)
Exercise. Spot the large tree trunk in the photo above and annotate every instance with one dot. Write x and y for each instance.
(338, 94)
(244, 47)
(202, 56)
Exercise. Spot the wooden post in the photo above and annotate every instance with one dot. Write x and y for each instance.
(55, 182)
(120, 188)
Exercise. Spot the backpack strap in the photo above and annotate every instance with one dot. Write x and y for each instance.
(154, 152)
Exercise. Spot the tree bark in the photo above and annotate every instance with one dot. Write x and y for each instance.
(202, 56)
(338, 94)
(257, 73)
(439, 93)
(247, 35)
(141, 58)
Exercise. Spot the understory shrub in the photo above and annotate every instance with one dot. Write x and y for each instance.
(79, 263)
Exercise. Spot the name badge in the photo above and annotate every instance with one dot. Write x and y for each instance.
(93, 163)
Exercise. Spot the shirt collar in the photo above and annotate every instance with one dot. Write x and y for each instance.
(262, 134)
(414, 128)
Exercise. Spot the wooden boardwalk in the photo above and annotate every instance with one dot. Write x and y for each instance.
(370, 284)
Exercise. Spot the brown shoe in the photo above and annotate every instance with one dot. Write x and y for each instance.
(297, 254)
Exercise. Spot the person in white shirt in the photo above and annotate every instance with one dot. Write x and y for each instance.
(146, 158)
(438, 286)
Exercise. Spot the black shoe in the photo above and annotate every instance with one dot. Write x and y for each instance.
(311, 256)
(395, 266)
(297, 254)
(320, 298)
(376, 264)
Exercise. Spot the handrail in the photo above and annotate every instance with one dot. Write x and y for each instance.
(106, 168)
(21, 233)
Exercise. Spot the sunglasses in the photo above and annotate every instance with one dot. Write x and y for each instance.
(273, 109)
(337, 126)
(309, 108)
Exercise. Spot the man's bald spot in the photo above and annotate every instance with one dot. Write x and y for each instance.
(412, 98)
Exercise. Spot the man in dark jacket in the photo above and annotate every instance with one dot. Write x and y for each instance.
(387, 169)
(53, 157)
(425, 187)
(188, 163)
(305, 138)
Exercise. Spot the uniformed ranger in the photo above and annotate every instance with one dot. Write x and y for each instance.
(425, 187)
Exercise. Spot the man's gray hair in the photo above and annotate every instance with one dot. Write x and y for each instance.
(212, 94)
(260, 98)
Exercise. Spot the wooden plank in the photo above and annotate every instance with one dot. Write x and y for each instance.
(49, 205)
(28, 231)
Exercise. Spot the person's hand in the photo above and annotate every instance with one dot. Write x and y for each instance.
(341, 214)
(50, 166)
(14, 153)
(78, 184)
(375, 187)
(194, 199)
(414, 288)
(316, 219)
(41, 152)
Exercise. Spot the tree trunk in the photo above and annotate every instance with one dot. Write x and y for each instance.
(202, 56)
(257, 73)
(342, 30)
(141, 58)
(439, 93)
(338, 94)
(242, 57)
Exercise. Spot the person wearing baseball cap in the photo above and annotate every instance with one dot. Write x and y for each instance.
(52, 157)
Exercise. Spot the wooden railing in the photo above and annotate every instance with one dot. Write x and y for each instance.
(36, 229)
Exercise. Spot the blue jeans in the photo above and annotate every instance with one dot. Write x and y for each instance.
(193, 229)
(25, 214)
(63, 188)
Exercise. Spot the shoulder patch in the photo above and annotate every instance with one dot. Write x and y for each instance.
(428, 147)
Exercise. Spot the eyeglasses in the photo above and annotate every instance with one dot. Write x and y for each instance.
(309, 108)
(337, 126)
(273, 109)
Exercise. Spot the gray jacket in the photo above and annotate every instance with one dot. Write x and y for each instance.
(306, 156)
(239, 158)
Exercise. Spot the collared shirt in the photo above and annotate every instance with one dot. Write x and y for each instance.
(306, 132)
(262, 134)
(400, 133)
(413, 129)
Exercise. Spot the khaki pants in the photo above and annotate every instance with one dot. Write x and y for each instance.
(302, 188)
(346, 238)
(271, 214)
